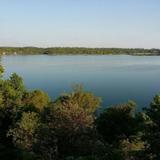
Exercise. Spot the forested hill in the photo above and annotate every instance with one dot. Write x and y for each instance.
(76, 51)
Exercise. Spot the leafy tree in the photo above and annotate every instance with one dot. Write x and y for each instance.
(34, 128)
(7, 149)
(85, 100)
(45, 147)
(10, 97)
(17, 83)
(152, 129)
(37, 98)
(120, 128)
(117, 122)
(11, 91)
(72, 120)
(1, 71)
(24, 131)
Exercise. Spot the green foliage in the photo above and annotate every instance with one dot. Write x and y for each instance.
(76, 50)
(1, 71)
(37, 98)
(24, 131)
(152, 128)
(87, 101)
(17, 83)
(117, 122)
(71, 117)
(11, 91)
(32, 127)
(45, 146)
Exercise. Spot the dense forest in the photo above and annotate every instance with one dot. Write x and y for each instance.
(69, 50)
(35, 127)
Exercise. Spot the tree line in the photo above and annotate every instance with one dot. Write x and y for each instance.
(34, 127)
(77, 50)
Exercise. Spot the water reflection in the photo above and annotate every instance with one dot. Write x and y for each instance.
(116, 79)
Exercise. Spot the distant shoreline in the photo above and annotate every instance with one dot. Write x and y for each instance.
(78, 51)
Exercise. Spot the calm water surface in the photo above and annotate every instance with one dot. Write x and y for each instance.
(116, 79)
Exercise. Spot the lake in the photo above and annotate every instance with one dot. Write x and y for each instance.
(116, 79)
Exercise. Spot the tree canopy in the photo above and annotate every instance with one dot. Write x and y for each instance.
(35, 127)
(77, 50)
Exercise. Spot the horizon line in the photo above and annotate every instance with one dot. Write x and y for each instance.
(77, 47)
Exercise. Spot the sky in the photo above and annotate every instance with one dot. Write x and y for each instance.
(80, 23)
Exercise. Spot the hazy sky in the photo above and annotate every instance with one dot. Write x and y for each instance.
(88, 23)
